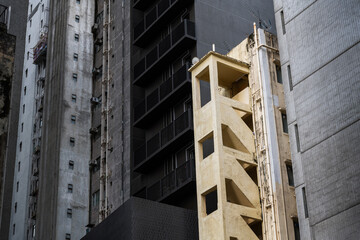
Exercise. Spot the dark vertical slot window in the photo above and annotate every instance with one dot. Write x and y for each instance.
(297, 139)
(296, 229)
(305, 203)
(290, 78)
(283, 22)
(278, 74)
(284, 123)
(290, 174)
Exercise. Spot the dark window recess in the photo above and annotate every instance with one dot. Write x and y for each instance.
(278, 74)
(71, 164)
(306, 213)
(205, 96)
(208, 147)
(296, 229)
(290, 78)
(72, 142)
(69, 213)
(68, 236)
(282, 22)
(75, 76)
(211, 201)
(297, 139)
(290, 174)
(70, 188)
(284, 123)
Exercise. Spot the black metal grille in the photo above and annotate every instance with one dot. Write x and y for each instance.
(167, 134)
(139, 110)
(152, 99)
(154, 192)
(182, 122)
(168, 183)
(140, 154)
(165, 88)
(139, 68)
(178, 33)
(151, 57)
(164, 45)
(139, 29)
(153, 144)
(151, 17)
(162, 6)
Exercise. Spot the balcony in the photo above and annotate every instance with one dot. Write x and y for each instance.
(174, 182)
(40, 50)
(166, 140)
(163, 96)
(155, 19)
(182, 38)
(142, 4)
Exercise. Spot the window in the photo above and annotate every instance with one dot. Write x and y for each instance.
(41, 23)
(96, 167)
(20, 146)
(282, 22)
(69, 213)
(78, 1)
(25, 90)
(73, 119)
(70, 188)
(290, 174)
(290, 78)
(23, 108)
(284, 123)
(30, 8)
(297, 138)
(77, 18)
(26, 72)
(73, 98)
(29, 38)
(71, 164)
(22, 127)
(14, 229)
(278, 74)
(95, 199)
(42, 7)
(19, 165)
(28, 55)
(15, 207)
(75, 76)
(17, 186)
(306, 213)
(72, 142)
(211, 201)
(76, 37)
(76, 57)
(68, 236)
(30, 22)
(296, 229)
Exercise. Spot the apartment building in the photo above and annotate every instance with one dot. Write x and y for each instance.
(30, 121)
(62, 203)
(13, 18)
(319, 55)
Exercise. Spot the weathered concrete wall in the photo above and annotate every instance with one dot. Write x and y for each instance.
(17, 27)
(321, 46)
(7, 58)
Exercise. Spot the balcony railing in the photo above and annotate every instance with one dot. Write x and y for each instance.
(4, 14)
(162, 96)
(165, 140)
(40, 49)
(142, 4)
(168, 49)
(155, 19)
(172, 182)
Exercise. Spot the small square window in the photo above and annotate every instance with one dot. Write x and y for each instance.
(68, 236)
(69, 213)
(78, 1)
(76, 37)
(73, 119)
(70, 188)
(75, 76)
(72, 142)
(73, 98)
(76, 56)
(15, 207)
(77, 18)
(71, 164)
(26, 72)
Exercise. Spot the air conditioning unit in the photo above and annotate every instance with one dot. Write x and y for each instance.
(94, 28)
(94, 100)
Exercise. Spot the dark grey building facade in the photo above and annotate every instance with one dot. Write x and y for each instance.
(319, 50)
